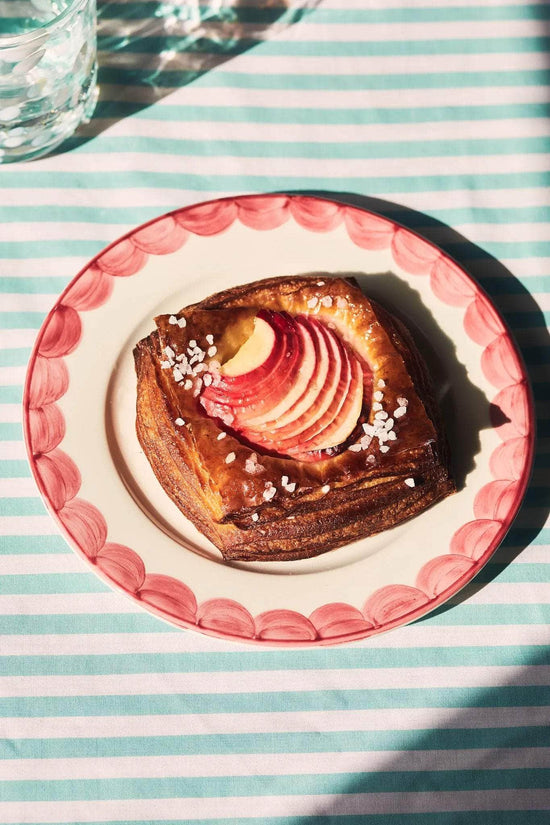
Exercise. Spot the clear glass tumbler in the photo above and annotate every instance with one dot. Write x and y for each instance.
(48, 73)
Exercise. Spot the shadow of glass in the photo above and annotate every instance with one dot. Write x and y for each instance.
(147, 50)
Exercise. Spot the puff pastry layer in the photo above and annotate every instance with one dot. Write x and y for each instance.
(257, 505)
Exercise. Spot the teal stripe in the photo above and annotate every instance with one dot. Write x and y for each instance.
(14, 468)
(522, 536)
(324, 150)
(326, 701)
(22, 320)
(22, 545)
(318, 83)
(444, 739)
(49, 249)
(253, 184)
(51, 583)
(20, 356)
(238, 113)
(143, 622)
(255, 659)
(267, 785)
(11, 431)
(310, 115)
(23, 506)
(10, 394)
(125, 215)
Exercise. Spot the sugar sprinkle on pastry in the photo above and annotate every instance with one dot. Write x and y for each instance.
(410, 482)
(221, 435)
(179, 421)
(230, 457)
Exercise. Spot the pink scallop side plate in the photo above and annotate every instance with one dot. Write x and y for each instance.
(79, 427)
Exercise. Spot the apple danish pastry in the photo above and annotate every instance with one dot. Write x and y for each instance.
(289, 416)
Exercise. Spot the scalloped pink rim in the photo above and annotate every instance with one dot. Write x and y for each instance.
(471, 546)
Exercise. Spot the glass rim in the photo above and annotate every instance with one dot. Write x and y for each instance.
(9, 40)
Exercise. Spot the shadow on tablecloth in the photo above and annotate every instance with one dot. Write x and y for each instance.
(147, 50)
(527, 322)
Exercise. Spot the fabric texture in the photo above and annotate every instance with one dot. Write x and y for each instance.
(437, 115)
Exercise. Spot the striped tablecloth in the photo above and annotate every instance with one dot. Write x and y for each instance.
(107, 713)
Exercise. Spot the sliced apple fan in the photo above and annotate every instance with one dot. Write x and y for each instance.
(289, 416)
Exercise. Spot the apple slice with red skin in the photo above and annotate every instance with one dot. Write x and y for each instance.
(278, 330)
(269, 394)
(336, 399)
(294, 387)
(316, 383)
(344, 421)
(292, 433)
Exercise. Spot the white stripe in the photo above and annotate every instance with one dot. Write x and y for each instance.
(27, 302)
(15, 376)
(40, 564)
(504, 593)
(27, 526)
(9, 414)
(18, 487)
(120, 684)
(423, 30)
(273, 764)
(164, 200)
(12, 450)
(284, 133)
(63, 603)
(55, 231)
(16, 338)
(228, 807)
(105, 233)
(219, 724)
(364, 64)
(61, 267)
(135, 643)
(299, 167)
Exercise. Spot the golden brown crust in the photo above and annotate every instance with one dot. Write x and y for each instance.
(335, 501)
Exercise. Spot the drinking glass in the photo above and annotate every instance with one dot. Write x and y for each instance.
(47, 73)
